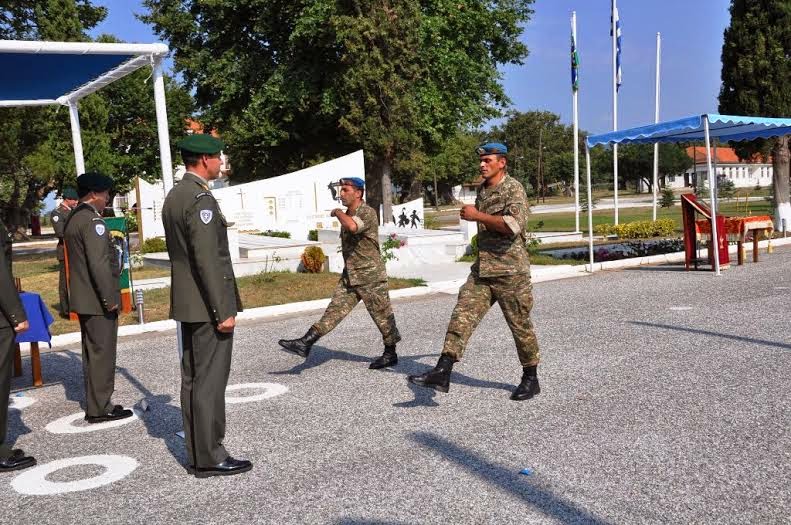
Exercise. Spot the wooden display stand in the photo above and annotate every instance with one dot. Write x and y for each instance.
(35, 356)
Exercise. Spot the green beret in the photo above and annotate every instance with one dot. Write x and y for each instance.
(69, 193)
(93, 181)
(201, 143)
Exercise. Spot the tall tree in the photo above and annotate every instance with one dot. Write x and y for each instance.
(294, 83)
(636, 162)
(756, 67)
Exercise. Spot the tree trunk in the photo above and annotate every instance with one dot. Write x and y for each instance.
(780, 166)
(379, 189)
(387, 191)
(415, 190)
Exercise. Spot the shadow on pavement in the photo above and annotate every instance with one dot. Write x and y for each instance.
(698, 331)
(527, 489)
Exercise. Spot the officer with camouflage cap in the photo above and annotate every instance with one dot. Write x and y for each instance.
(500, 274)
(204, 299)
(364, 277)
(69, 200)
(93, 270)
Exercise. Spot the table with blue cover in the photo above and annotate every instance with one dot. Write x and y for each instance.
(39, 318)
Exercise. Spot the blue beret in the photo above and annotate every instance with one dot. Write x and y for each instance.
(492, 148)
(357, 182)
(201, 143)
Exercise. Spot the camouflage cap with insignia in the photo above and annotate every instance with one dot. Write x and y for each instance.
(492, 148)
(201, 143)
(69, 193)
(93, 181)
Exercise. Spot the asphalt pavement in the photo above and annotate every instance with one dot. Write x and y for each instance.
(664, 399)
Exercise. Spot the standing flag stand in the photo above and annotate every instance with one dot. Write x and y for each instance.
(575, 64)
(119, 234)
(615, 32)
(655, 186)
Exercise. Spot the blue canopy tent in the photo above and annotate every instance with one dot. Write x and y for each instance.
(699, 127)
(49, 73)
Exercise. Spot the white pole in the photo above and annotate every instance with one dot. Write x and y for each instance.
(656, 120)
(162, 125)
(590, 206)
(614, 108)
(576, 135)
(713, 195)
(76, 138)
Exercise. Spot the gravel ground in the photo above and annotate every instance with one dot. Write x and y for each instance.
(665, 399)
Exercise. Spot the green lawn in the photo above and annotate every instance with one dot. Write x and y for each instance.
(561, 222)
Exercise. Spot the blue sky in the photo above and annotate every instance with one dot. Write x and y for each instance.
(692, 32)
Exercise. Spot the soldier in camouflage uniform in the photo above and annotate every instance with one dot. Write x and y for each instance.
(58, 218)
(363, 279)
(501, 274)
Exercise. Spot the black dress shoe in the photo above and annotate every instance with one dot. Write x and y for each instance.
(118, 412)
(229, 467)
(16, 462)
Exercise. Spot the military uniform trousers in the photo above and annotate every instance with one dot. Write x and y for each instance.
(7, 337)
(205, 367)
(99, 339)
(63, 306)
(376, 300)
(514, 294)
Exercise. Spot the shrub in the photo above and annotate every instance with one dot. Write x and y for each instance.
(313, 235)
(276, 233)
(638, 229)
(154, 245)
(430, 222)
(391, 243)
(313, 259)
(668, 198)
(474, 245)
(726, 189)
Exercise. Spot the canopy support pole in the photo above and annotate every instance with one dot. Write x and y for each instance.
(590, 206)
(713, 197)
(76, 138)
(575, 113)
(162, 125)
(655, 186)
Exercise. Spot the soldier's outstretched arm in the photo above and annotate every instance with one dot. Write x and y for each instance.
(101, 261)
(10, 305)
(203, 231)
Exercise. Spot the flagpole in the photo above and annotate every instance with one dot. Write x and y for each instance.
(615, 106)
(656, 120)
(576, 132)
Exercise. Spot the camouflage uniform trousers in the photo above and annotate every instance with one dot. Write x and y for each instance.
(514, 293)
(376, 300)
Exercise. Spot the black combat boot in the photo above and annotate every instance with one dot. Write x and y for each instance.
(529, 386)
(388, 358)
(301, 346)
(438, 377)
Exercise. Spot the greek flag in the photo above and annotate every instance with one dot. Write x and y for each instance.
(575, 65)
(618, 77)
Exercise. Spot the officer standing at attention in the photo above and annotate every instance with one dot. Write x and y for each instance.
(500, 274)
(58, 217)
(205, 300)
(364, 277)
(94, 294)
(12, 321)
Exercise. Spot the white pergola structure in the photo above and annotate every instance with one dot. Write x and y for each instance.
(52, 73)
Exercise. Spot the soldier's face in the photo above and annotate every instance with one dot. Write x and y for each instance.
(349, 194)
(213, 164)
(491, 165)
(102, 199)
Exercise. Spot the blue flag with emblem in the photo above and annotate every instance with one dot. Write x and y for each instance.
(575, 64)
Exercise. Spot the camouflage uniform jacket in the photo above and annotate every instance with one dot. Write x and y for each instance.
(361, 255)
(502, 254)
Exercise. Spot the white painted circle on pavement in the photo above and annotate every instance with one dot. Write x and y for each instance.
(781, 287)
(269, 390)
(21, 402)
(34, 481)
(680, 308)
(65, 425)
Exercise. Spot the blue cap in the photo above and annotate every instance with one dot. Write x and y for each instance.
(492, 148)
(357, 182)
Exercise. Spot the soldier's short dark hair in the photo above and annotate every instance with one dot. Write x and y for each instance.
(190, 158)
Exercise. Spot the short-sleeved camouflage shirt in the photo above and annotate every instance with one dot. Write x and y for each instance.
(360, 249)
(501, 254)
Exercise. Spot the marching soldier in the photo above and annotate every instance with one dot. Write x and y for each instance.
(364, 277)
(12, 321)
(93, 293)
(58, 218)
(205, 300)
(501, 274)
